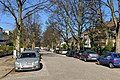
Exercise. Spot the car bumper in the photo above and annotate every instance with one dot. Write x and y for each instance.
(94, 59)
(21, 68)
(117, 64)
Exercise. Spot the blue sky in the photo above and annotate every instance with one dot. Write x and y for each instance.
(108, 12)
(7, 21)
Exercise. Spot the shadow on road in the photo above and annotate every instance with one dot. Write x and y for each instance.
(41, 66)
(115, 67)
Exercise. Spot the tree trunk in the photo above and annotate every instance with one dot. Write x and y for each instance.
(33, 40)
(118, 31)
(68, 22)
(79, 35)
(17, 44)
(33, 45)
(19, 26)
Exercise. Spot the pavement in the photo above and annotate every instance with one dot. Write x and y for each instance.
(6, 66)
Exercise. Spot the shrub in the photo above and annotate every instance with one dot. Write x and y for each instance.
(109, 46)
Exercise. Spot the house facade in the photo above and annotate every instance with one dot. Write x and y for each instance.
(3, 36)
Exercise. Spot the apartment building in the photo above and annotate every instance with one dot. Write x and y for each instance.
(3, 36)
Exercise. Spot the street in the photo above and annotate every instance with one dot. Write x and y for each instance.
(60, 67)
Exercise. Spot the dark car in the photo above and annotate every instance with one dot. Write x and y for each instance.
(78, 53)
(70, 53)
(89, 55)
(111, 59)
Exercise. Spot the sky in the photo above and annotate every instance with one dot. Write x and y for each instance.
(108, 12)
(7, 21)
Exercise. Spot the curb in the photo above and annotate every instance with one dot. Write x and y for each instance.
(7, 73)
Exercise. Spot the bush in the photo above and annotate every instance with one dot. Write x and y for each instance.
(109, 46)
(5, 48)
(9, 48)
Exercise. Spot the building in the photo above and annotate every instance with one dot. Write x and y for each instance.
(3, 36)
(7, 32)
(102, 35)
(86, 40)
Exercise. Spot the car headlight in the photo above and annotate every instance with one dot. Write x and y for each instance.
(36, 62)
(17, 63)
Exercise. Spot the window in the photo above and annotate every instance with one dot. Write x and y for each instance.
(92, 52)
(117, 55)
(28, 55)
(103, 56)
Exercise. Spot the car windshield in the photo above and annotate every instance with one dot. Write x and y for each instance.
(117, 55)
(28, 55)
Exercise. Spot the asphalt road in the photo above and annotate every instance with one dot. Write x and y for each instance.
(60, 67)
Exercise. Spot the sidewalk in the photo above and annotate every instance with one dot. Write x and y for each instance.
(6, 65)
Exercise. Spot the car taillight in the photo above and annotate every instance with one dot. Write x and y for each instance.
(115, 60)
(88, 54)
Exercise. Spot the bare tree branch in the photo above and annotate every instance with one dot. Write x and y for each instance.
(11, 11)
(36, 5)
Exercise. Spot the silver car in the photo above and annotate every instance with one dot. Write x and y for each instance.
(28, 60)
(89, 55)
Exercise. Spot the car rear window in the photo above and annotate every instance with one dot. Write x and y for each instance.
(117, 55)
(81, 51)
(28, 55)
(91, 52)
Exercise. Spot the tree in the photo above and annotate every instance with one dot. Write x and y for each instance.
(21, 9)
(33, 28)
(51, 37)
(59, 18)
(67, 16)
(116, 20)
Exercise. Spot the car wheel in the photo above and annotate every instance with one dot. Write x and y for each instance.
(111, 65)
(74, 56)
(16, 70)
(67, 54)
(98, 62)
(85, 59)
(80, 58)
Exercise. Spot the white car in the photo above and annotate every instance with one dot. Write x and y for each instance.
(28, 60)
(51, 50)
(63, 52)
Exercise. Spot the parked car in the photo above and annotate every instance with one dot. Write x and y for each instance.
(37, 49)
(56, 50)
(27, 60)
(70, 53)
(27, 49)
(63, 52)
(89, 55)
(111, 59)
(78, 53)
(60, 51)
(52, 50)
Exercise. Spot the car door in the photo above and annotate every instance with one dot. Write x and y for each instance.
(107, 58)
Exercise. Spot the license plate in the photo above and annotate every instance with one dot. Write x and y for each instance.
(27, 66)
(94, 58)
